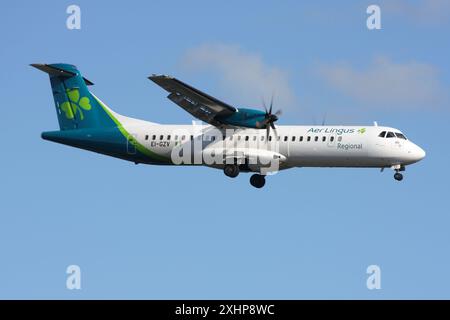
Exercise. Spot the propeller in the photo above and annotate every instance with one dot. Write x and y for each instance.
(269, 119)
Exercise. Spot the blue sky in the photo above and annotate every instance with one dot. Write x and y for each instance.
(179, 232)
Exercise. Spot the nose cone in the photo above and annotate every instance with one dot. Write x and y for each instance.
(417, 153)
(420, 153)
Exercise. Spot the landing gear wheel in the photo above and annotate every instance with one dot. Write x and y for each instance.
(231, 170)
(398, 176)
(257, 180)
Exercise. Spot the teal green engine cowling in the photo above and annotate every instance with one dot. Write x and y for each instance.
(249, 118)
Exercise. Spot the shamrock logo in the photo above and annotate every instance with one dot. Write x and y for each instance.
(75, 104)
(362, 130)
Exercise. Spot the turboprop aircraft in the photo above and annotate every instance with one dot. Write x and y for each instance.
(234, 140)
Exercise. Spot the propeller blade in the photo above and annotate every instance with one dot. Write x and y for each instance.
(271, 105)
(262, 124)
(264, 104)
(275, 131)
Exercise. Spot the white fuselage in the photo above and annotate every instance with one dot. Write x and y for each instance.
(299, 146)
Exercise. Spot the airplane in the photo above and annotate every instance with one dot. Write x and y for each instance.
(233, 140)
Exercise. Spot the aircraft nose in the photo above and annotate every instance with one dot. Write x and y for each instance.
(415, 153)
(419, 153)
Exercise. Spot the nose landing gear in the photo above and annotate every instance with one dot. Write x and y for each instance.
(398, 176)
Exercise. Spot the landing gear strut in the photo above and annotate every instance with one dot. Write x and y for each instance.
(231, 170)
(257, 180)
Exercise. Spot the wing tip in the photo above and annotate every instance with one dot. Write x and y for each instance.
(155, 76)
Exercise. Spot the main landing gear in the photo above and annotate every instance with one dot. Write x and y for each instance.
(257, 180)
(231, 170)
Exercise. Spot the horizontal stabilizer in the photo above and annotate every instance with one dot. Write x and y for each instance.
(58, 72)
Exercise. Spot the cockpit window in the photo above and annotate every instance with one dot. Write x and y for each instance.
(390, 135)
(400, 136)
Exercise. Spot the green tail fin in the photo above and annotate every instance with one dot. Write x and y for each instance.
(76, 107)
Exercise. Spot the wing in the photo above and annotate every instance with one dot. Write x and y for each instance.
(197, 103)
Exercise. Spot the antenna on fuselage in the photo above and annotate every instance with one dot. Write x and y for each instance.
(375, 124)
(324, 119)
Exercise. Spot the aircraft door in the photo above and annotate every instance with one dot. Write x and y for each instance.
(131, 144)
(288, 142)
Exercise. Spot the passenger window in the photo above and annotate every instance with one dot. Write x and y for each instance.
(293, 138)
(161, 137)
(168, 137)
(340, 138)
(254, 138)
(154, 137)
(262, 138)
(213, 138)
(316, 139)
(301, 139)
(176, 137)
(331, 139)
(390, 135)
(309, 139)
(183, 137)
(270, 138)
(246, 138)
(239, 138)
(381, 135)
(324, 139)
(146, 137)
